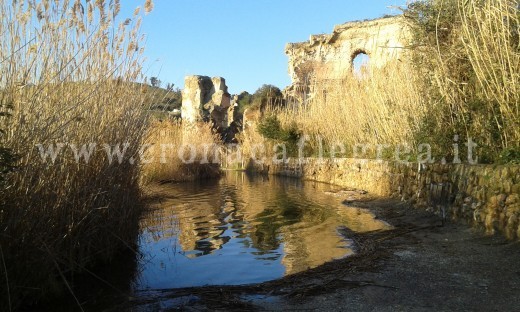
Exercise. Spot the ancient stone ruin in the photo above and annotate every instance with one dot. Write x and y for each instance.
(206, 99)
(331, 56)
(323, 57)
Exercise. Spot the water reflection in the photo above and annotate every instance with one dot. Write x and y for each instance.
(243, 229)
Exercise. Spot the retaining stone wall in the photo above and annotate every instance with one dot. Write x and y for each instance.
(483, 195)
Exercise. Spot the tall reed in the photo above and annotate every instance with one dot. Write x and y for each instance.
(181, 151)
(66, 79)
(490, 33)
(469, 54)
(383, 107)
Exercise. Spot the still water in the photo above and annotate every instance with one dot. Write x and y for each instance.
(242, 229)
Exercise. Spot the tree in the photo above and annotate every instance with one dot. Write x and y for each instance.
(267, 95)
(244, 100)
(155, 82)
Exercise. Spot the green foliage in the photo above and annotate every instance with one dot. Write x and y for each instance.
(244, 101)
(267, 95)
(433, 20)
(160, 99)
(271, 128)
(268, 91)
(510, 156)
(155, 82)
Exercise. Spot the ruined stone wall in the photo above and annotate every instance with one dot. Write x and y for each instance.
(486, 196)
(205, 99)
(330, 56)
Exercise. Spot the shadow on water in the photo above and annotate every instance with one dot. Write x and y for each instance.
(238, 230)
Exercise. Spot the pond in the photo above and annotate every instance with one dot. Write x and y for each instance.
(243, 229)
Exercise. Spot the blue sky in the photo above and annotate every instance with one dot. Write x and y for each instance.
(240, 40)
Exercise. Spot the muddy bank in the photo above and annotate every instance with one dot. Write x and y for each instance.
(420, 265)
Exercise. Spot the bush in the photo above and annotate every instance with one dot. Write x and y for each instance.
(510, 156)
(270, 128)
(384, 108)
(244, 101)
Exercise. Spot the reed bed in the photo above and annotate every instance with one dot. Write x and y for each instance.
(384, 107)
(181, 152)
(490, 34)
(469, 54)
(67, 85)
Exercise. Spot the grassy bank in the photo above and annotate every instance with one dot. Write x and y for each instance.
(66, 87)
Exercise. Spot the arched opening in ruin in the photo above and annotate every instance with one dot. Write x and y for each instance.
(360, 63)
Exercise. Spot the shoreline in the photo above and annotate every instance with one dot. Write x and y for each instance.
(409, 267)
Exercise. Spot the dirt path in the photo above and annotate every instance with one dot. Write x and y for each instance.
(419, 266)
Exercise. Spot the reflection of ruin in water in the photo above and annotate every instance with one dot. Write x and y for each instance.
(284, 224)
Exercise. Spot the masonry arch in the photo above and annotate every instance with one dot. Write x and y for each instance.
(360, 62)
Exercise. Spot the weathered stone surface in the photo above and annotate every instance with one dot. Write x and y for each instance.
(331, 56)
(233, 110)
(193, 98)
(205, 99)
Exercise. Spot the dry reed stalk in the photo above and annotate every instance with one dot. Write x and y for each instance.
(474, 65)
(68, 75)
(181, 152)
(385, 107)
(464, 83)
(488, 33)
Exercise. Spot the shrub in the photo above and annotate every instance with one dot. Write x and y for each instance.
(463, 80)
(510, 156)
(244, 101)
(270, 128)
(385, 107)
